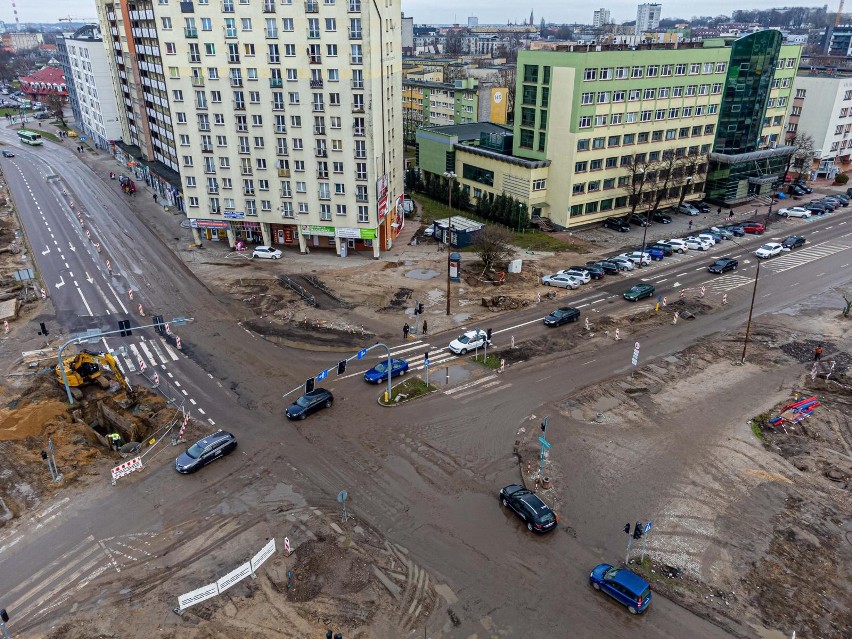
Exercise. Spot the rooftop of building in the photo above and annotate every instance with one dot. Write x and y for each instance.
(469, 132)
(448, 86)
(46, 75)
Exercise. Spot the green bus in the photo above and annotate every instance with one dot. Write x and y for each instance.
(29, 137)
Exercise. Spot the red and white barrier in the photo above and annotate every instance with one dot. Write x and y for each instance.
(617, 335)
(156, 379)
(664, 302)
(183, 428)
(5, 326)
(126, 468)
(142, 366)
(130, 294)
(168, 329)
(109, 266)
(724, 298)
(676, 316)
(702, 291)
(43, 294)
(177, 342)
(141, 311)
(682, 293)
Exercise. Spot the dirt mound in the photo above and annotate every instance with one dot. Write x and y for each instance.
(324, 566)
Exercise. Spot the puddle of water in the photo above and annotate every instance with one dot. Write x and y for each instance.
(438, 375)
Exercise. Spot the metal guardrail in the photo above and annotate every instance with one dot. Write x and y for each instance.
(298, 289)
(321, 286)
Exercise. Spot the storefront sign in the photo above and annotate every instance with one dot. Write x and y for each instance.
(234, 215)
(208, 224)
(325, 231)
(357, 234)
(383, 208)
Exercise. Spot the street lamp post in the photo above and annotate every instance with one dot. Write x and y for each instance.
(751, 307)
(450, 176)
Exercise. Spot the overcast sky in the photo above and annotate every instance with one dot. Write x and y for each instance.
(448, 11)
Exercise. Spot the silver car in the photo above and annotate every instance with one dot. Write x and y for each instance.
(561, 280)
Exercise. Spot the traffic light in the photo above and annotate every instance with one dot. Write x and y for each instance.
(44, 330)
(426, 356)
(626, 529)
(159, 324)
(488, 334)
(309, 384)
(637, 532)
(44, 455)
(3, 615)
(124, 327)
(420, 308)
(544, 425)
(341, 367)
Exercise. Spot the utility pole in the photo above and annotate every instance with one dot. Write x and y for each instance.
(450, 176)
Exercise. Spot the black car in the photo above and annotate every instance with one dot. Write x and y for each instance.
(662, 218)
(665, 248)
(310, 403)
(595, 271)
(616, 224)
(736, 229)
(637, 219)
(794, 241)
(723, 264)
(205, 451)
(816, 209)
(609, 268)
(849, 191)
(537, 515)
(795, 189)
(562, 315)
(702, 206)
(8, 154)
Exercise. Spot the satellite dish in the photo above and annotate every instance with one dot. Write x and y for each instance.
(342, 496)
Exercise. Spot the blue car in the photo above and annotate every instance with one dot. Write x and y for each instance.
(379, 372)
(624, 586)
(655, 253)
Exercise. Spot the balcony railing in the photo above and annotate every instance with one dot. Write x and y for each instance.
(207, 149)
(276, 83)
(322, 175)
(361, 177)
(273, 59)
(316, 84)
(245, 170)
(269, 7)
(212, 189)
(324, 196)
(312, 7)
(361, 197)
(271, 33)
(284, 173)
(357, 108)
(236, 82)
(356, 59)
(359, 131)
(354, 34)
(315, 59)
(357, 84)
(190, 33)
(227, 7)
(354, 6)
(240, 106)
(313, 34)
(197, 81)
(319, 130)
(321, 153)
(318, 107)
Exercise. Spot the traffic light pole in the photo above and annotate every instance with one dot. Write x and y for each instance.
(98, 334)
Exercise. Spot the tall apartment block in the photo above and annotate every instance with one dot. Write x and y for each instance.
(600, 17)
(285, 116)
(587, 117)
(648, 17)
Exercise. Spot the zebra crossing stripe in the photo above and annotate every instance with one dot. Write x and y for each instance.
(170, 352)
(156, 349)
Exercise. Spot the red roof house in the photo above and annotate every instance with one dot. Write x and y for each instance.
(44, 82)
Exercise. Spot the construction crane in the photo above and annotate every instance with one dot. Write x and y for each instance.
(837, 18)
(72, 19)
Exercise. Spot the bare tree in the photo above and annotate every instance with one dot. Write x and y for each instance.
(55, 106)
(691, 168)
(848, 307)
(803, 156)
(640, 176)
(493, 245)
(453, 72)
(453, 42)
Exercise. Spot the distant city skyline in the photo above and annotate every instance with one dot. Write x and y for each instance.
(446, 11)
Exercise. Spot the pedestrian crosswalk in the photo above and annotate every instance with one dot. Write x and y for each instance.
(481, 387)
(805, 255)
(152, 352)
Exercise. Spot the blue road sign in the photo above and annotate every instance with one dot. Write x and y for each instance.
(361, 353)
(648, 527)
(426, 362)
(544, 442)
(322, 375)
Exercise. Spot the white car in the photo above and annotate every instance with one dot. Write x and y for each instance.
(562, 280)
(471, 340)
(266, 253)
(795, 211)
(678, 246)
(637, 257)
(707, 237)
(584, 276)
(622, 262)
(696, 243)
(769, 250)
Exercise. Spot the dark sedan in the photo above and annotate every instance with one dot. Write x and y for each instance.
(616, 224)
(595, 271)
(723, 264)
(665, 248)
(794, 241)
(562, 315)
(308, 403)
(639, 291)
(609, 268)
(662, 218)
(533, 511)
(379, 372)
(638, 220)
(205, 451)
(736, 229)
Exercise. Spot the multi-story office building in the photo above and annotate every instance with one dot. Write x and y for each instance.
(590, 121)
(286, 118)
(147, 144)
(822, 109)
(427, 103)
(648, 17)
(749, 155)
(90, 87)
(600, 17)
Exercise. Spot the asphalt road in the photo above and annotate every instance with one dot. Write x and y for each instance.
(424, 474)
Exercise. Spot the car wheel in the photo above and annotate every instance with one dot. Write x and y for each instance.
(734, 267)
(529, 526)
(632, 610)
(402, 372)
(328, 403)
(575, 318)
(302, 416)
(505, 502)
(596, 585)
(463, 351)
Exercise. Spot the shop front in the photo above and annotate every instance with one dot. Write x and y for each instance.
(348, 239)
(284, 234)
(210, 230)
(244, 231)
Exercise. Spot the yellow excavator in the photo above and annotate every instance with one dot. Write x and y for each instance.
(87, 367)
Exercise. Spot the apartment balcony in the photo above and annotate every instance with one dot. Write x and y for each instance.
(284, 173)
(276, 83)
(282, 151)
(324, 197)
(190, 33)
(360, 155)
(356, 59)
(239, 106)
(213, 190)
(321, 153)
(322, 175)
(249, 192)
(315, 59)
(312, 7)
(357, 108)
(361, 177)
(269, 7)
(271, 33)
(314, 35)
(204, 127)
(357, 84)
(361, 197)
(230, 33)
(197, 81)
(359, 131)
(354, 34)
(194, 57)
(316, 84)
(273, 59)
(319, 130)
(207, 149)
(215, 210)
(354, 6)
(318, 107)
(246, 170)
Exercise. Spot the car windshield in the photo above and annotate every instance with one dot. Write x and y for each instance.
(636, 289)
(380, 368)
(464, 339)
(721, 262)
(610, 573)
(195, 451)
(767, 247)
(303, 401)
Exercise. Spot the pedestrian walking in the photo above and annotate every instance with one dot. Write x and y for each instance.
(690, 225)
(155, 197)
(719, 211)
(425, 327)
(818, 353)
(405, 330)
(731, 214)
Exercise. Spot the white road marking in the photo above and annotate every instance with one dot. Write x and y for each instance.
(503, 330)
(85, 303)
(457, 389)
(478, 389)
